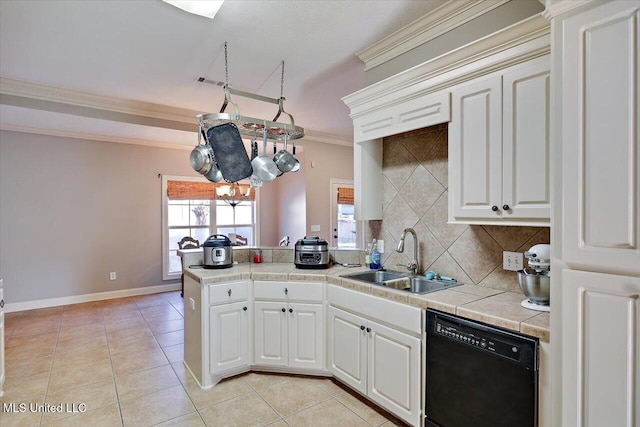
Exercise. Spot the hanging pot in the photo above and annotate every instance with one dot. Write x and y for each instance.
(296, 166)
(214, 174)
(263, 166)
(284, 159)
(201, 157)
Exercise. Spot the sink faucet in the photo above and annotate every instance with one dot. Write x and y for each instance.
(414, 267)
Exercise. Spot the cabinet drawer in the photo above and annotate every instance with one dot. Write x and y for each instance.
(289, 291)
(228, 292)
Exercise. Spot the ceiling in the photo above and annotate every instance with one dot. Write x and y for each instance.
(145, 54)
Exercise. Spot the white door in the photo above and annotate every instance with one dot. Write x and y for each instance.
(347, 348)
(2, 372)
(525, 142)
(229, 336)
(345, 230)
(475, 150)
(306, 336)
(270, 332)
(394, 372)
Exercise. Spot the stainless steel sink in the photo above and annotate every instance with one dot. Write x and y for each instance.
(376, 276)
(402, 281)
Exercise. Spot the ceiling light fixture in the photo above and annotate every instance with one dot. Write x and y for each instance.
(228, 193)
(206, 8)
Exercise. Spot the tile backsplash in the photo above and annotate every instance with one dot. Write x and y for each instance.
(415, 181)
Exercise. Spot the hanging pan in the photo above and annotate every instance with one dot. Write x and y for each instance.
(263, 166)
(284, 159)
(230, 153)
(201, 157)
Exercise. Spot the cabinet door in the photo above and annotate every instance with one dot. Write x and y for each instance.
(347, 352)
(600, 349)
(475, 151)
(394, 374)
(600, 138)
(229, 336)
(270, 331)
(525, 142)
(2, 371)
(306, 336)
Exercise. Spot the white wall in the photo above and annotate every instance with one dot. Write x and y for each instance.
(71, 211)
(330, 161)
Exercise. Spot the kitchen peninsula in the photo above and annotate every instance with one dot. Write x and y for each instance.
(275, 317)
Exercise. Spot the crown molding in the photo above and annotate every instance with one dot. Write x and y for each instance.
(445, 18)
(554, 8)
(517, 43)
(92, 136)
(127, 110)
(95, 137)
(43, 92)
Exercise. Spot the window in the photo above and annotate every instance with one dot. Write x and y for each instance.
(192, 208)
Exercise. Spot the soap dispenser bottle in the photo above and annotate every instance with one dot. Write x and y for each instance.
(375, 256)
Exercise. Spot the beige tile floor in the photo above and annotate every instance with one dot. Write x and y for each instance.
(122, 360)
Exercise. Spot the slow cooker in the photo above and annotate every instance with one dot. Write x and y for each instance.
(217, 252)
(311, 252)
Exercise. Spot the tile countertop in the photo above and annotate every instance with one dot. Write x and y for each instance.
(488, 305)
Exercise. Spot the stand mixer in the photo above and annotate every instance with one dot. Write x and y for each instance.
(534, 281)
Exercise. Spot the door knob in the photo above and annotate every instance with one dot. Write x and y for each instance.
(494, 208)
(291, 310)
(362, 327)
(284, 309)
(506, 207)
(368, 329)
(244, 308)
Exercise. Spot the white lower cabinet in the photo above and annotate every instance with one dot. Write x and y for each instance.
(289, 334)
(217, 330)
(229, 342)
(376, 360)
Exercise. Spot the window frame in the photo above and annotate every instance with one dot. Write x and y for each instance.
(213, 223)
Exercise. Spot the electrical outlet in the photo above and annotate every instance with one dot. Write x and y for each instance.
(512, 261)
(381, 246)
(315, 227)
(112, 275)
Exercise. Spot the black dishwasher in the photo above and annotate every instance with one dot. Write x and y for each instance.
(479, 375)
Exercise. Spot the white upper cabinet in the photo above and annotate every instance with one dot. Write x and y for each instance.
(600, 134)
(475, 151)
(499, 148)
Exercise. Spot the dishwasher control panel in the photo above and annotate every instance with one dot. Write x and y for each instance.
(483, 337)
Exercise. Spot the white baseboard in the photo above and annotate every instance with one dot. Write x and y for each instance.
(75, 299)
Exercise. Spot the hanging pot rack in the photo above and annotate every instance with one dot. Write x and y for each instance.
(249, 126)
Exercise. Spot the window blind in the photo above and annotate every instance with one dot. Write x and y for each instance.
(192, 190)
(345, 195)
